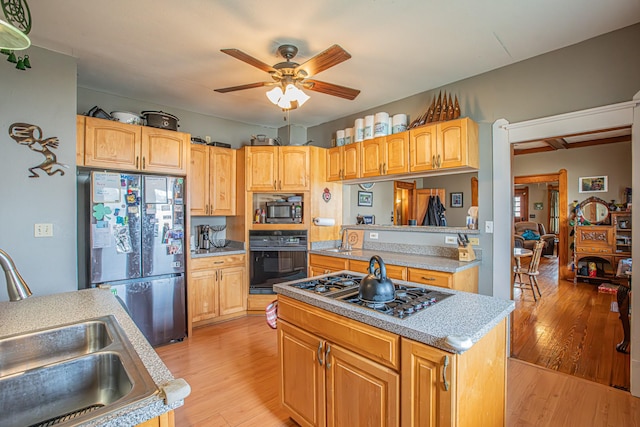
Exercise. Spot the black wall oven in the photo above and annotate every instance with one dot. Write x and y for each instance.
(276, 256)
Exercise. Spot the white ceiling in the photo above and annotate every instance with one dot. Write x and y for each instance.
(168, 52)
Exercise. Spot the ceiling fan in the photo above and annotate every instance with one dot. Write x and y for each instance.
(291, 73)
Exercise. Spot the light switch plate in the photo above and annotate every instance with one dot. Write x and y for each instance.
(452, 240)
(488, 226)
(43, 230)
(474, 241)
(373, 236)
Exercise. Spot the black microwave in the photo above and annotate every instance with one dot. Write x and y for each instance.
(284, 213)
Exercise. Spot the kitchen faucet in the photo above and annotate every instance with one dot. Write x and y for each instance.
(344, 244)
(17, 288)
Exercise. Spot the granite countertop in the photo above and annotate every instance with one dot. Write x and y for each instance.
(462, 315)
(40, 312)
(428, 262)
(233, 248)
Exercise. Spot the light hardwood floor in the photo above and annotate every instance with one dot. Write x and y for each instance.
(233, 373)
(571, 329)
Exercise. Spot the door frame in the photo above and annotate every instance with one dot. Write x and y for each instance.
(504, 135)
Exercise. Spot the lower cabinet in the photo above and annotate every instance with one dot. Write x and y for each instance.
(217, 287)
(164, 420)
(464, 390)
(327, 383)
(335, 371)
(463, 280)
(322, 264)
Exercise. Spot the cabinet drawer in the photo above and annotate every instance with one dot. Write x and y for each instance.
(594, 250)
(430, 277)
(217, 261)
(373, 343)
(393, 271)
(329, 262)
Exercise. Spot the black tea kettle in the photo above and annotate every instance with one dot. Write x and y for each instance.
(375, 287)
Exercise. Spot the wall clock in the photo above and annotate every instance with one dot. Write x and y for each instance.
(367, 185)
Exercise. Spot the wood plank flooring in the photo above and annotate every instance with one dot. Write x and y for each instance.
(571, 329)
(233, 373)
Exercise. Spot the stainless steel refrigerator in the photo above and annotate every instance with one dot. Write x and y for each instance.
(136, 230)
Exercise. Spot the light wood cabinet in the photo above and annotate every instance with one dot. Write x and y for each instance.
(322, 264)
(121, 146)
(165, 420)
(463, 280)
(217, 287)
(393, 271)
(594, 243)
(386, 155)
(343, 162)
(464, 390)
(212, 180)
(445, 145)
(324, 381)
(277, 168)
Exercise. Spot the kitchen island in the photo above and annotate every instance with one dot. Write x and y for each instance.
(40, 312)
(343, 364)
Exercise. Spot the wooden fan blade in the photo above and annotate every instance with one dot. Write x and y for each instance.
(242, 87)
(238, 54)
(327, 59)
(331, 89)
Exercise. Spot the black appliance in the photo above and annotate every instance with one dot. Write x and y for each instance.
(344, 287)
(284, 213)
(276, 256)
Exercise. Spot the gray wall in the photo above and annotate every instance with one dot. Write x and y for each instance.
(44, 95)
(597, 72)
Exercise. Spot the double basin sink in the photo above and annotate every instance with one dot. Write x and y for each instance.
(70, 374)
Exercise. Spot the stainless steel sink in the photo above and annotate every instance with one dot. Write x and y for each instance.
(338, 250)
(72, 374)
(22, 352)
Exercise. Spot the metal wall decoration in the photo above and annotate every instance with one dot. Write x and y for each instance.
(31, 137)
(439, 111)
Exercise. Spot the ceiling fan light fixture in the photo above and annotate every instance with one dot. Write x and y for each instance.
(292, 95)
(12, 38)
(275, 94)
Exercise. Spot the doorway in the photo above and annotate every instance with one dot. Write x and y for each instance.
(521, 204)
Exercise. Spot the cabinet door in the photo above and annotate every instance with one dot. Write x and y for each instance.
(232, 290)
(199, 180)
(393, 271)
(397, 154)
(293, 169)
(80, 124)
(422, 148)
(334, 164)
(452, 144)
(428, 388)
(430, 277)
(351, 161)
(302, 376)
(164, 151)
(360, 392)
(204, 293)
(222, 181)
(372, 155)
(262, 168)
(110, 144)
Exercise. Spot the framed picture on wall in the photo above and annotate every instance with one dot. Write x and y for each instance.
(365, 198)
(593, 184)
(456, 200)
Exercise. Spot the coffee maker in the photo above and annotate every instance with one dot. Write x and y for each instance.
(203, 232)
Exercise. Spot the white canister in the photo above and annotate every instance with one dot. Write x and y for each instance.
(358, 130)
(390, 126)
(381, 124)
(339, 138)
(368, 127)
(348, 136)
(399, 123)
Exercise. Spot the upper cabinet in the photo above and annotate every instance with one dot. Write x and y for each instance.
(446, 145)
(386, 155)
(115, 145)
(343, 162)
(272, 168)
(212, 181)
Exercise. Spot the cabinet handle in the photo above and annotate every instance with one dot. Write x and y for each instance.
(433, 161)
(439, 161)
(428, 278)
(320, 361)
(380, 169)
(144, 163)
(206, 209)
(219, 262)
(384, 168)
(221, 275)
(444, 373)
(326, 357)
(137, 161)
(216, 275)
(279, 185)
(274, 185)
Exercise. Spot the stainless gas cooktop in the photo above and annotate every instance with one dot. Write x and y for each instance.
(345, 287)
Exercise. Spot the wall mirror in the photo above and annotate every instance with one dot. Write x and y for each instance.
(595, 210)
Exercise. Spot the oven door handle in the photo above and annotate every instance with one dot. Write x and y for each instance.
(278, 249)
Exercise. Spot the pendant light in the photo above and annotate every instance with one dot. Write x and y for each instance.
(15, 26)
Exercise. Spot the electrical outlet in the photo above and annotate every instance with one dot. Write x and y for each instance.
(488, 226)
(43, 230)
(373, 236)
(450, 240)
(474, 241)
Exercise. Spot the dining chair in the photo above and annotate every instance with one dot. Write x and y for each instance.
(531, 271)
